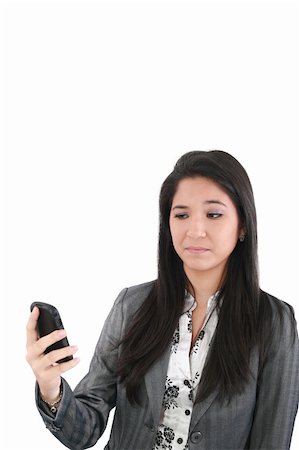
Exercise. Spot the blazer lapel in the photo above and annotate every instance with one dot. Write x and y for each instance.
(200, 408)
(155, 384)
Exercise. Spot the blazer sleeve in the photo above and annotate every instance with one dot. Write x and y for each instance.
(83, 414)
(278, 388)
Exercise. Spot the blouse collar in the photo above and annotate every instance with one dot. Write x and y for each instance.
(190, 302)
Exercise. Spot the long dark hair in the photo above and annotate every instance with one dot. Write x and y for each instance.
(238, 330)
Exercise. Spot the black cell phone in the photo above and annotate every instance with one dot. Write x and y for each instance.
(48, 321)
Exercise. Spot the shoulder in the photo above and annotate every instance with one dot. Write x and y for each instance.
(140, 289)
(277, 319)
(126, 304)
(279, 308)
(131, 298)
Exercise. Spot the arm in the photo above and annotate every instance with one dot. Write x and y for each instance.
(278, 389)
(82, 415)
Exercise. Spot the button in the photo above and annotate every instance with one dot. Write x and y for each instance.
(187, 412)
(196, 437)
(180, 441)
(52, 427)
(186, 382)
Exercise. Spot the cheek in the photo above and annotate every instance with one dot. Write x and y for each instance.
(173, 233)
(228, 240)
(176, 233)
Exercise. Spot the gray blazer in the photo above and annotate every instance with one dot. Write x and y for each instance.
(261, 418)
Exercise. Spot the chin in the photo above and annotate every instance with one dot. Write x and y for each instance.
(198, 267)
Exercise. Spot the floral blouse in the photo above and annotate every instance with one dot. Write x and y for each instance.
(183, 376)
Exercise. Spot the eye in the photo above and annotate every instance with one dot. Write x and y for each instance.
(214, 215)
(181, 216)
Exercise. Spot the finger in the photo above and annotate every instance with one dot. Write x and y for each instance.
(31, 327)
(56, 370)
(42, 365)
(64, 367)
(48, 340)
(57, 355)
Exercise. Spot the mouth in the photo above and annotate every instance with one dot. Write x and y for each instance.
(196, 250)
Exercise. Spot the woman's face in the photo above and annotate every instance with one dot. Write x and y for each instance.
(204, 226)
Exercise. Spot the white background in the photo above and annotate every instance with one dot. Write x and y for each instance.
(98, 101)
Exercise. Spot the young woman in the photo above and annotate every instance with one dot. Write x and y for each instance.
(200, 358)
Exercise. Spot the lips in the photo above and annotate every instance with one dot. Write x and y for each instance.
(197, 250)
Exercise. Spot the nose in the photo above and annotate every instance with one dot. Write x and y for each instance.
(196, 229)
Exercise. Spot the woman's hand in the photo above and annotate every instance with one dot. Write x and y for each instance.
(45, 368)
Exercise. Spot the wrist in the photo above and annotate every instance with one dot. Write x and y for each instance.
(53, 403)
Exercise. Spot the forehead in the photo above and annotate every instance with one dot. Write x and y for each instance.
(200, 189)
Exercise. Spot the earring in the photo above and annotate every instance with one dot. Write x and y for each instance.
(242, 238)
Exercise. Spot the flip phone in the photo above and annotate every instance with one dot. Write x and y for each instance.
(48, 321)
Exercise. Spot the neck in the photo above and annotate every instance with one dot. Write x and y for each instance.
(203, 285)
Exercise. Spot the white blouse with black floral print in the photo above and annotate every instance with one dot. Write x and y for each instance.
(183, 376)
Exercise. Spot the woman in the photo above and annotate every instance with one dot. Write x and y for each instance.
(200, 358)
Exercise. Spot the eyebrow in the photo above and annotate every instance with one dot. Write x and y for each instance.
(218, 202)
(207, 202)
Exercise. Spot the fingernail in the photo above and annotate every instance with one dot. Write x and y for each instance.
(61, 333)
